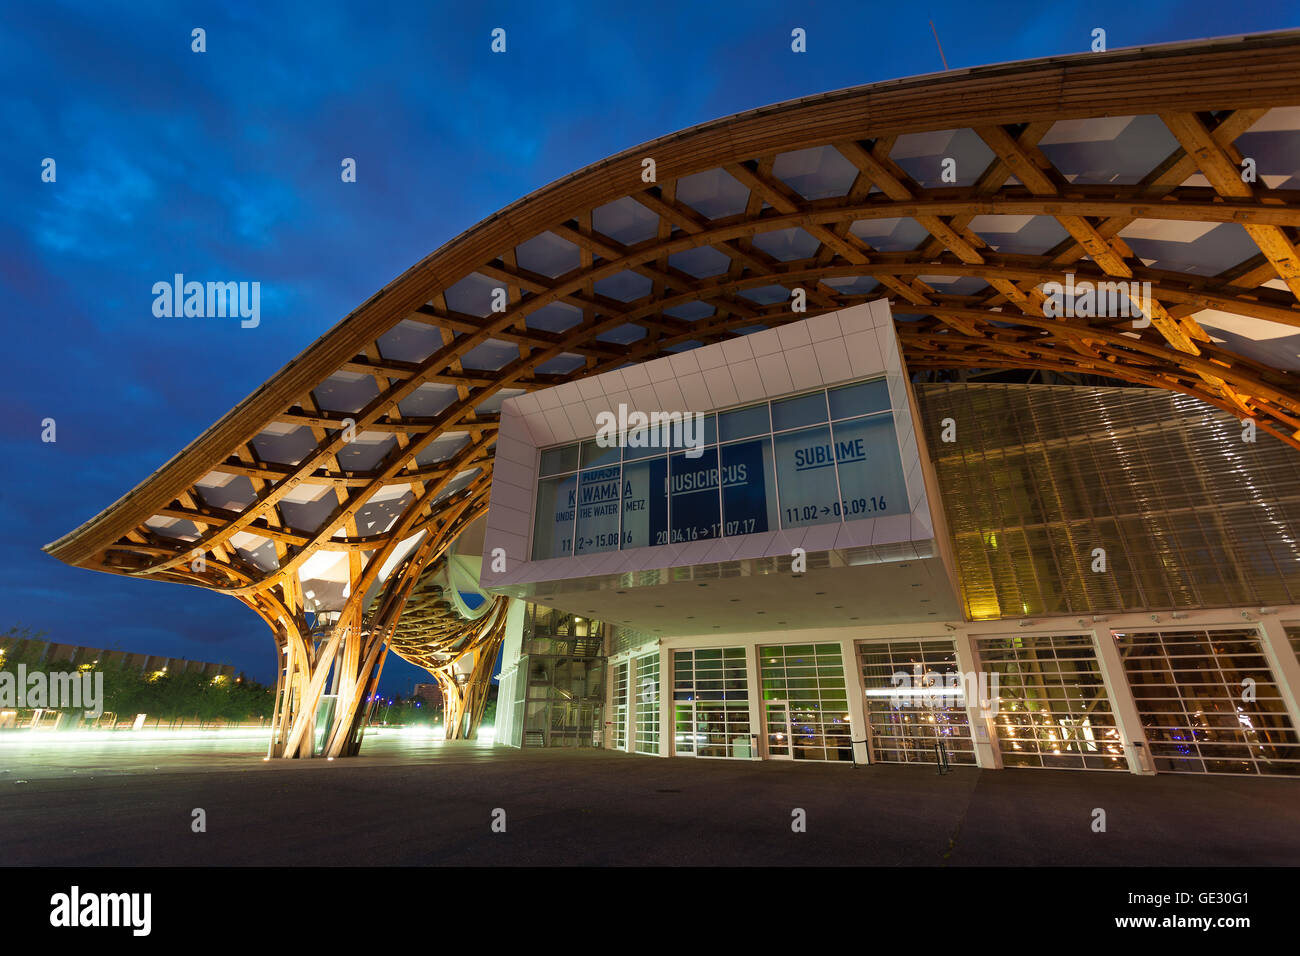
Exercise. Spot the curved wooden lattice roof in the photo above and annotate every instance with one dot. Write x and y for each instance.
(1123, 165)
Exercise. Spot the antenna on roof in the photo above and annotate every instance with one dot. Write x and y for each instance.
(939, 45)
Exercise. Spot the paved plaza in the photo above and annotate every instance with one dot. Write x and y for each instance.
(409, 801)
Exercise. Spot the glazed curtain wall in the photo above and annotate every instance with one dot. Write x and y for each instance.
(1040, 476)
(821, 457)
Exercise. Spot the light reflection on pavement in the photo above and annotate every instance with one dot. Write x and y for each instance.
(51, 755)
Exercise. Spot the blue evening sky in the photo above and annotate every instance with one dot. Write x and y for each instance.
(225, 166)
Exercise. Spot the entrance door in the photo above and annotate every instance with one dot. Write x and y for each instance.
(777, 719)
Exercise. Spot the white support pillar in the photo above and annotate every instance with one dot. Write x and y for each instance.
(607, 714)
(857, 693)
(516, 617)
(1137, 750)
(1284, 665)
(505, 705)
(666, 727)
(628, 700)
(983, 724)
(754, 681)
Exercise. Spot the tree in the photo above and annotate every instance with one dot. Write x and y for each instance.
(167, 696)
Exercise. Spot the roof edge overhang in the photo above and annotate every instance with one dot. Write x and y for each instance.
(1193, 75)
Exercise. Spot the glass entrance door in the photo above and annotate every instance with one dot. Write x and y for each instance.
(711, 703)
(777, 720)
(899, 729)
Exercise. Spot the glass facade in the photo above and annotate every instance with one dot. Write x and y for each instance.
(711, 703)
(805, 701)
(1053, 707)
(647, 703)
(560, 681)
(1209, 703)
(1038, 476)
(1184, 515)
(908, 733)
(823, 457)
(1207, 699)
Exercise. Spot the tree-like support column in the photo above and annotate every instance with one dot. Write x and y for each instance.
(463, 703)
(354, 656)
(349, 655)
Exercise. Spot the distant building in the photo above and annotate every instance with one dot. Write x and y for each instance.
(429, 693)
(71, 656)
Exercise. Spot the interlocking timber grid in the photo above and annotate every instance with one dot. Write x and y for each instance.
(1207, 94)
